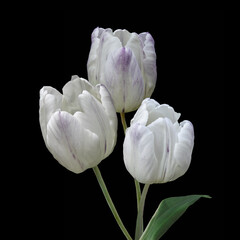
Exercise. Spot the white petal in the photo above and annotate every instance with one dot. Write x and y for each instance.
(73, 146)
(183, 149)
(164, 142)
(149, 63)
(141, 116)
(106, 43)
(108, 106)
(72, 90)
(123, 36)
(157, 110)
(94, 118)
(124, 80)
(164, 111)
(50, 101)
(139, 157)
(134, 43)
(93, 58)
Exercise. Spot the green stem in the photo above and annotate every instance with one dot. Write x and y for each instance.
(138, 193)
(123, 120)
(110, 202)
(139, 224)
(137, 185)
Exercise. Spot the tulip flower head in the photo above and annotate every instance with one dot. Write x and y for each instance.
(157, 149)
(125, 63)
(79, 127)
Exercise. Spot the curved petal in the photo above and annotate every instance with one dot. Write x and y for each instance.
(149, 63)
(72, 146)
(72, 90)
(106, 43)
(150, 110)
(183, 149)
(109, 108)
(94, 55)
(164, 142)
(134, 43)
(50, 101)
(141, 116)
(124, 80)
(164, 111)
(94, 118)
(157, 110)
(139, 157)
(123, 35)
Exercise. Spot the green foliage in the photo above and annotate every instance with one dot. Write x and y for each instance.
(168, 212)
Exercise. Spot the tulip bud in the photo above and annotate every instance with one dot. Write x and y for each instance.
(79, 127)
(125, 63)
(157, 149)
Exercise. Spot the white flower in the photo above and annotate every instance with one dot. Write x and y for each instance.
(79, 127)
(125, 63)
(157, 149)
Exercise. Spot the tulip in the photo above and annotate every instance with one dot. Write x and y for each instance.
(125, 63)
(79, 127)
(157, 149)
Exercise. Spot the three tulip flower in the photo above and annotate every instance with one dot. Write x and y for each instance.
(79, 126)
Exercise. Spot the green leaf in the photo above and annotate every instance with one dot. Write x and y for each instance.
(168, 212)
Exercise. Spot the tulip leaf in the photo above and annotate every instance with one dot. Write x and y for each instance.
(168, 212)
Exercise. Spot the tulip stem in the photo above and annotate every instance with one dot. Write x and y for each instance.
(110, 202)
(139, 224)
(123, 119)
(138, 193)
(137, 184)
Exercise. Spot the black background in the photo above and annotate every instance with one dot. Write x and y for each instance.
(189, 46)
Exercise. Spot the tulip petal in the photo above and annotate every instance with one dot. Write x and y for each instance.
(94, 59)
(72, 90)
(141, 116)
(157, 110)
(124, 80)
(93, 56)
(183, 149)
(123, 35)
(150, 110)
(94, 118)
(149, 63)
(161, 111)
(108, 106)
(104, 44)
(134, 43)
(164, 142)
(71, 145)
(139, 157)
(50, 101)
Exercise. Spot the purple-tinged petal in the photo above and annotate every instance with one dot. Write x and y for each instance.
(149, 63)
(139, 157)
(124, 80)
(72, 146)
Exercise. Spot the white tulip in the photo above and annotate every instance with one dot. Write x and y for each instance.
(157, 149)
(125, 63)
(79, 127)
